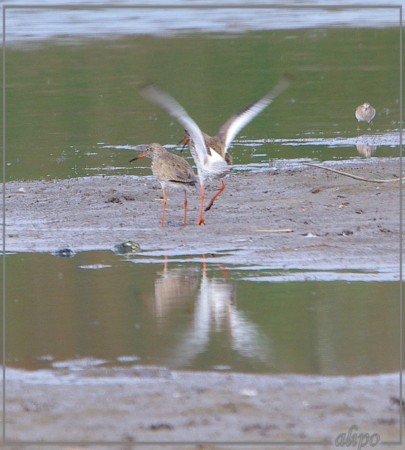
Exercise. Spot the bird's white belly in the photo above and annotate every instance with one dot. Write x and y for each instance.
(215, 166)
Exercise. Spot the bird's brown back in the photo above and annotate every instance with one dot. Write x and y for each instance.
(170, 167)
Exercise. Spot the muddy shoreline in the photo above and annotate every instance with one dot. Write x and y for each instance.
(293, 216)
(169, 407)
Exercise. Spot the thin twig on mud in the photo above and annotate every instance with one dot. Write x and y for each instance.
(356, 177)
(280, 230)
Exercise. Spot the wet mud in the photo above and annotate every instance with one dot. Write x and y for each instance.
(293, 217)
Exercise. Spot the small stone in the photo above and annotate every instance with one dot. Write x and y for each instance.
(64, 253)
(127, 247)
(346, 233)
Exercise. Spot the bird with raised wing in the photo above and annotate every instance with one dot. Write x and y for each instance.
(210, 154)
(171, 170)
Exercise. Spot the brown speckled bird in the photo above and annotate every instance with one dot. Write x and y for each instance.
(171, 170)
(210, 154)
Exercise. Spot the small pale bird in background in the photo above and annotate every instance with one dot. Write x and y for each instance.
(364, 113)
(171, 170)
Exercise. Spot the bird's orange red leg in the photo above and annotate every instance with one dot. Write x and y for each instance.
(185, 207)
(162, 222)
(221, 189)
(201, 220)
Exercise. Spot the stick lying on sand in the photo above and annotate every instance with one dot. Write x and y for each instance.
(280, 230)
(356, 177)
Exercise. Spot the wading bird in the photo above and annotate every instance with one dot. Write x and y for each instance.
(210, 154)
(364, 113)
(171, 170)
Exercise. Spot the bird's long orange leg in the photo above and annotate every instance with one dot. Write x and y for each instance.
(204, 265)
(185, 207)
(201, 220)
(162, 222)
(221, 189)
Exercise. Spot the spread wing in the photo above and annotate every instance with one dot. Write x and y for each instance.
(172, 107)
(231, 127)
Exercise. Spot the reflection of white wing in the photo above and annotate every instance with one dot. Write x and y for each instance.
(218, 295)
(216, 312)
(195, 340)
(246, 337)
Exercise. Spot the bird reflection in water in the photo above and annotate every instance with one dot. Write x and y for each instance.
(214, 313)
(366, 150)
(174, 286)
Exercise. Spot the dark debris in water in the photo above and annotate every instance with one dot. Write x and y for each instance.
(64, 253)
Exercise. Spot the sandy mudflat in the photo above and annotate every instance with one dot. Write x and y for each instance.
(291, 217)
(158, 405)
(324, 221)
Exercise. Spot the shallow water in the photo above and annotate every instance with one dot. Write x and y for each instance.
(194, 312)
(73, 109)
(67, 20)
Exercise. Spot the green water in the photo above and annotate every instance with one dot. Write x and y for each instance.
(62, 101)
(184, 317)
(65, 102)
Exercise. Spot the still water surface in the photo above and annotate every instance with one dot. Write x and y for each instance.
(104, 309)
(73, 109)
